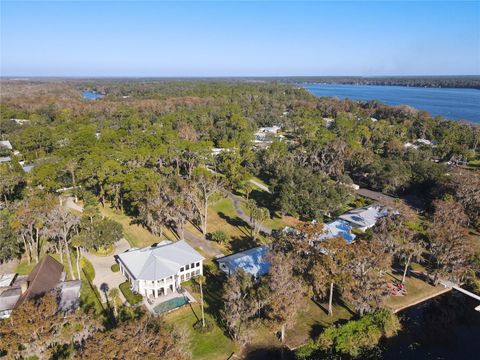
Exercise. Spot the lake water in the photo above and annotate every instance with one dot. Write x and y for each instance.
(91, 95)
(447, 327)
(456, 104)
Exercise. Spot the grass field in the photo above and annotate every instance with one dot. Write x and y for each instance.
(212, 345)
(417, 289)
(136, 235)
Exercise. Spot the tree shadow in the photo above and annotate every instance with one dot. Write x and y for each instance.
(269, 353)
(236, 221)
(263, 199)
(212, 293)
(242, 243)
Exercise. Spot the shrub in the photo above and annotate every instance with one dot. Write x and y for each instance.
(132, 298)
(115, 268)
(354, 337)
(219, 236)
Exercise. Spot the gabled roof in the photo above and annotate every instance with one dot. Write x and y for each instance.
(159, 262)
(364, 217)
(252, 261)
(44, 277)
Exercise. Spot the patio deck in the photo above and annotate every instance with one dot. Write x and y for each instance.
(152, 303)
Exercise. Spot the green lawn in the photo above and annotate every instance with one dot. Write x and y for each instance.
(135, 234)
(275, 222)
(311, 320)
(212, 345)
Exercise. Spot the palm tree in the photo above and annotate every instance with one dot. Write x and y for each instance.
(410, 252)
(114, 295)
(201, 280)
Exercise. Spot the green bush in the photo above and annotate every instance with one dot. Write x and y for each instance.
(219, 236)
(354, 337)
(132, 298)
(87, 269)
(115, 268)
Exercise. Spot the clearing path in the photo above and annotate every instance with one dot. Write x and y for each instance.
(244, 216)
(70, 203)
(260, 185)
(202, 244)
(103, 271)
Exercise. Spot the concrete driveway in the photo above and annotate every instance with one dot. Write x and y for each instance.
(103, 271)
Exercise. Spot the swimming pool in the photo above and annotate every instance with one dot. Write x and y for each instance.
(170, 305)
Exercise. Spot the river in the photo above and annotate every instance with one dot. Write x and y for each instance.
(446, 327)
(452, 103)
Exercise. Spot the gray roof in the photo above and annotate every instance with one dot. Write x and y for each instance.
(159, 262)
(364, 217)
(9, 298)
(69, 295)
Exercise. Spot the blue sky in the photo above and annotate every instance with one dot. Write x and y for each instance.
(239, 38)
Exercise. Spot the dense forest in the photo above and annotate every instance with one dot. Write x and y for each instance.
(145, 150)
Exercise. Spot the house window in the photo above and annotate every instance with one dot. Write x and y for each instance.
(182, 269)
(182, 278)
(197, 272)
(198, 264)
(188, 276)
(192, 265)
(187, 267)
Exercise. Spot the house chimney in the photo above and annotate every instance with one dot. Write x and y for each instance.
(23, 286)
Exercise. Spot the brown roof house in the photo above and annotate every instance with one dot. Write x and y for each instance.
(46, 276)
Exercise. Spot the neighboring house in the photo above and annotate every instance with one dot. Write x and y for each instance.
(158, 270)
(20, 121)
(364, 218)
(329, 122)
(218, 151)
(6, 144)
(419, 143)
(338, 228)
(46, 276)
(264, 132)
(252, 261)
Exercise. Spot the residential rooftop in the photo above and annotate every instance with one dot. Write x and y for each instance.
(161, 261)
(252, 261)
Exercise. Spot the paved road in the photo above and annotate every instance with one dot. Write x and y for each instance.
(103, 271)
(244, 216)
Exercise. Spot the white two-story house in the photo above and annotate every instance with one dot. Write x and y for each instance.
(159, 270)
